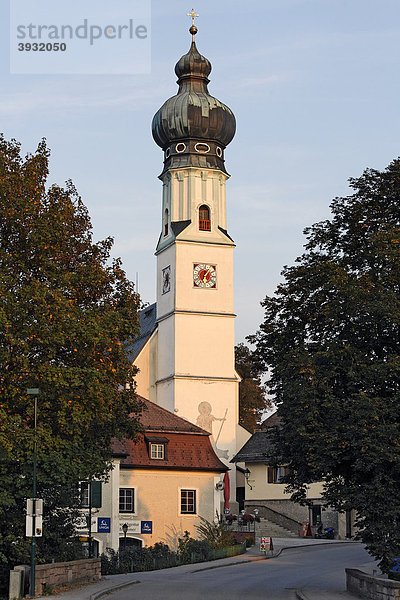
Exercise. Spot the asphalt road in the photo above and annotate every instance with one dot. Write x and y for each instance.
(317, 567)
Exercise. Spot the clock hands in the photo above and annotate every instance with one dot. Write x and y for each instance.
(205, 275)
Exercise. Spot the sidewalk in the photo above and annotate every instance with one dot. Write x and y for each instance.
(114, 582)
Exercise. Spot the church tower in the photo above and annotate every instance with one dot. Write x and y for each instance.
(195, 370)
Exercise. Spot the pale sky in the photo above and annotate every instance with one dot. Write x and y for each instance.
(314, 86)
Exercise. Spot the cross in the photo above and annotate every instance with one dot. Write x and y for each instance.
(193, 15)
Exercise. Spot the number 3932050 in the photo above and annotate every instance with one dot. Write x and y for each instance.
(42, 47)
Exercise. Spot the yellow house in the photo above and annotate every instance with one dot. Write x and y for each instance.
(265, 489)
(159, 486)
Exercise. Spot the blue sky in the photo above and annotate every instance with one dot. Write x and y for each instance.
(315, 88)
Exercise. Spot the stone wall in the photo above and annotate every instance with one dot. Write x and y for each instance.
(274, 514)
(371, 588)
(67, 573)
(290, 514)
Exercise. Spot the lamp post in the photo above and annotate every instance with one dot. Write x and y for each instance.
(35, 393)
(256, 520)
(247, 475)
(125, 530)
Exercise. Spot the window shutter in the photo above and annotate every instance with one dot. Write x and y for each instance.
(96, 494)
(270, 475)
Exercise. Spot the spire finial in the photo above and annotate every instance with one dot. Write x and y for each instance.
(193, 28)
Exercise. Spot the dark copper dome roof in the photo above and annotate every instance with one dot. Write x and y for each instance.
(193, 113)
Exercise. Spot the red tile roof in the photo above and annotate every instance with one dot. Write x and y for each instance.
(188, 447)
(155, 418)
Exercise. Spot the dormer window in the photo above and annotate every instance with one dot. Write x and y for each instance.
(157, 451)
(204, 218)
(157, 447)
(166, 221)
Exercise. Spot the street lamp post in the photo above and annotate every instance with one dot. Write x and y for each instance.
(125, 530)
(35, 393)
(256, 520)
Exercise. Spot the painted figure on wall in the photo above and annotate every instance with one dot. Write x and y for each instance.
(205, 420)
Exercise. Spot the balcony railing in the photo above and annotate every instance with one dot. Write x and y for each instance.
(204, 224)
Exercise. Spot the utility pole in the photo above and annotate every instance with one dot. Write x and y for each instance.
(35, 393)
(90, 521)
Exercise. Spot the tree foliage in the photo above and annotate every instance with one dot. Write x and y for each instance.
(331, 340)
(252, 392)
(67, 314)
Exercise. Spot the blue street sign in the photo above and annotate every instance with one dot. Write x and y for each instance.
(103, 524)
(146, 527)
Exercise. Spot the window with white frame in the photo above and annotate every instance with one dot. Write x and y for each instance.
(84, 494)
(157, 451)
(126, 500)
(188, 502)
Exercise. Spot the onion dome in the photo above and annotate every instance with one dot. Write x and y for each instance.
(193, 128)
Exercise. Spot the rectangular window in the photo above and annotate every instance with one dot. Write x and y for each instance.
(95, 487)
(276, 474)
(84, 494)
(126, 500)
(157, 451)
(188, 502)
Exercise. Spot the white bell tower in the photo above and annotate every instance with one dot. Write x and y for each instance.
(196, 375)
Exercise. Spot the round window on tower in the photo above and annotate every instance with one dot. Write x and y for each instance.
(219, 152)
(181, 147)
(167, 152)
(203, 148)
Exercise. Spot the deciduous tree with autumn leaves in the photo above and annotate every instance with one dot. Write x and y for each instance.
(331, 343)
(67, 315)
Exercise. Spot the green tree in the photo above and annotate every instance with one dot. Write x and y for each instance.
(67, 315)
(331, 340)
(252, 392)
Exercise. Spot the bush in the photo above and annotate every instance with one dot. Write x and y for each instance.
(216, 533)
(187, 547)
(130, 560)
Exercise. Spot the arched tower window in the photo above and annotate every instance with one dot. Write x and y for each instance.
(204, 218)
(166, 221)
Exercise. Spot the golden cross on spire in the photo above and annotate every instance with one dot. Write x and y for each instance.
(193, 15)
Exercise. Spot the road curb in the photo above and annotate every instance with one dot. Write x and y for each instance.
(333, 543)
(112, 589)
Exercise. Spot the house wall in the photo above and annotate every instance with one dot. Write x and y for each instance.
(271, 498)
(272, 491)
(157, 499)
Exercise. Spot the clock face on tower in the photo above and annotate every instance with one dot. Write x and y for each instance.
(204, 276)
(166, 279)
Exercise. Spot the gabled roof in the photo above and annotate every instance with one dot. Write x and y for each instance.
(187, 447)
(147, 323)
(273, 420)
(259, 448)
